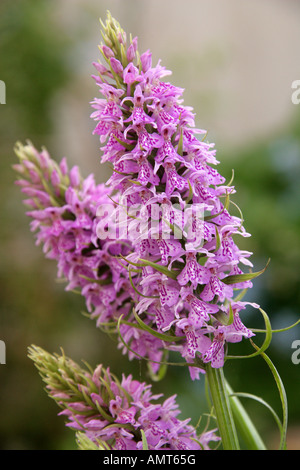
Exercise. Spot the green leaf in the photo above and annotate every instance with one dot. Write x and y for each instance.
(244, 423)
(207, 218)
(263, 402)
(158, 267)
(155, 333)
(227, 201)
(241, 295)
(240, 212)
(135, 182)
(180, 144)
(255, 330)
(237, 278)
(218, 240)
(182, 364)
(103, 413)
(283, 398)
(232, 178)
(190, 195)
(144, 440)
(223, 318)
(126, 145)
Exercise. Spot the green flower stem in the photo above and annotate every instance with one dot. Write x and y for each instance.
(222, 408)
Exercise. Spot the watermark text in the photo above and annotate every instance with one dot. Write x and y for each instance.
(296, 94)
(2, 352)
(296, 353)
(153, 221)
(2, 92)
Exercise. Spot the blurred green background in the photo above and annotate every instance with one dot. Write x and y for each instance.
(237, 61)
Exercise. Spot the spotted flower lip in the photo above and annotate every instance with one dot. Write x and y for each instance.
(193, 272)
(166, 289)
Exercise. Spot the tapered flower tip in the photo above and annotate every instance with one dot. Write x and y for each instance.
(114, 36)
(46, 363)
(38, 355)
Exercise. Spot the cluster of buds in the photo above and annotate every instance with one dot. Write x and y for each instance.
(113, 414)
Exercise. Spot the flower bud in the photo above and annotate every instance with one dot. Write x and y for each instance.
(146, 60)
(100, 68)
(130, 54)
(107, 51)
(116, 66)
(121, 35)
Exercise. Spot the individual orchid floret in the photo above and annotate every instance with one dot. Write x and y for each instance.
(115, 415)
